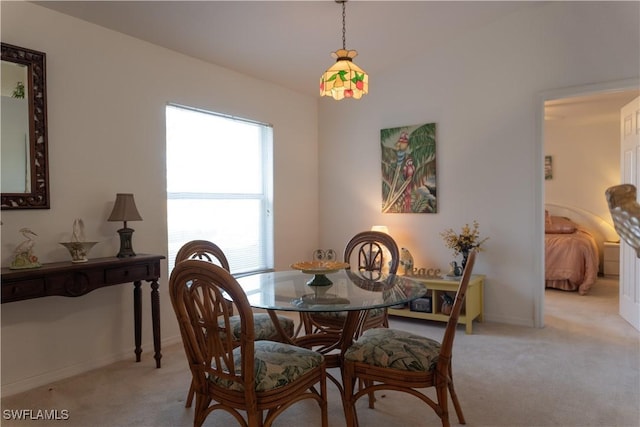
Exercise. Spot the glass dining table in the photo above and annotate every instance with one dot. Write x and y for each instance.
(345, 290)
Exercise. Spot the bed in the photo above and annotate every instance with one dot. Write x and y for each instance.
(571, 255)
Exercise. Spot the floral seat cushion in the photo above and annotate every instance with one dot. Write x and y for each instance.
(263, 326)
(275, 365)
(390, 348)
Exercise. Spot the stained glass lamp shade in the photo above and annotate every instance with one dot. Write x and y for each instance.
(344, 79)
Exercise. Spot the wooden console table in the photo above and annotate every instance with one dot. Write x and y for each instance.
(73, 280)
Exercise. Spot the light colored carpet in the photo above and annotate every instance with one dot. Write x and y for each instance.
(582, 369)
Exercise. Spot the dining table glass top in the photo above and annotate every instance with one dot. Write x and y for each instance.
(349, 290)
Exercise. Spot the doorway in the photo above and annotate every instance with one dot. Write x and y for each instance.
(596, 107)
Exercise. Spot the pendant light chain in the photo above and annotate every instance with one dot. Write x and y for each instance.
(344, 27)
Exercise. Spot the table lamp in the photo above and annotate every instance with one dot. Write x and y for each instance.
(381, 228)
(124, 209)
(386, 255)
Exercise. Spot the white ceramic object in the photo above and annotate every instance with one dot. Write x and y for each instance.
(78, 250)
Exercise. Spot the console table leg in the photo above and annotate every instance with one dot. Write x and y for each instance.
(155, 317)
(137, 317)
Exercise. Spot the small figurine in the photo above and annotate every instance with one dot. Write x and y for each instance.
(456, 270)
(23, 256)
(406, 261)
(447, 304)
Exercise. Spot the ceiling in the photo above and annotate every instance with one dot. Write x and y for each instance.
(602, 106)
(289, 43)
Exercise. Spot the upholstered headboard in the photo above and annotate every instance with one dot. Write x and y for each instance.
(601, 228)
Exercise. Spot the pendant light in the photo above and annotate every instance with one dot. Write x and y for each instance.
(344, 79)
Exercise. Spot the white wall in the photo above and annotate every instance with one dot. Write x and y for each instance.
(586, 156)
(106, 98)
(483, 92)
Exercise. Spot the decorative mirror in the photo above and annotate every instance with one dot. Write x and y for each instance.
(25, 169)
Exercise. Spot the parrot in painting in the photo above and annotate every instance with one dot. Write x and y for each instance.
(407, 170)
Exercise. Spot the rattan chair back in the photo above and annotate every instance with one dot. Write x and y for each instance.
(438, 375)
(203, 250)
(366, 253)
(625, 212)
(221, 361)
(367, 249)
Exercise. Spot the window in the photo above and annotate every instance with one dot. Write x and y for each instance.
(219, 186)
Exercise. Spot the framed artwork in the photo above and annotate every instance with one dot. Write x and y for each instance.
(548, 167)
(409, 169)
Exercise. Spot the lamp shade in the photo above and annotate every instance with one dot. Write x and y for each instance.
(124, 209)
(344, 79)
(381, 228)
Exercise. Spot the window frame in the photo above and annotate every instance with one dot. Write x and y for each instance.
(264, 197)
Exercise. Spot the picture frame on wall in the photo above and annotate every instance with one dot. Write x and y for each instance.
(548, 167)
(408, 155)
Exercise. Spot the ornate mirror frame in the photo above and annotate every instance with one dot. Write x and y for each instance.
(38, 197)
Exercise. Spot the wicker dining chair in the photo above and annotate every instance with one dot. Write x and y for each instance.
(365, 251)
(390, 359)
(235, 372)
(205, 250)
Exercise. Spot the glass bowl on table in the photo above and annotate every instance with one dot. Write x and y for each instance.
(319, 269)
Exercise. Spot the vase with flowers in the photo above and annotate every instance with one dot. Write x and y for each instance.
(463, 243)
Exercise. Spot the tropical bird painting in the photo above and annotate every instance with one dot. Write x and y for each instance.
(409, 169)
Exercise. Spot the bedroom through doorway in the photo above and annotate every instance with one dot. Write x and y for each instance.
(581, 147)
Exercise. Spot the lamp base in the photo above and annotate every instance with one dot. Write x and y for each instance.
(126, 248)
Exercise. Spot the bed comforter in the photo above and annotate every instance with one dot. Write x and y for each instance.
(571, 260)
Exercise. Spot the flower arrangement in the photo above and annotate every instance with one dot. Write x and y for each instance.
(468, 239)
